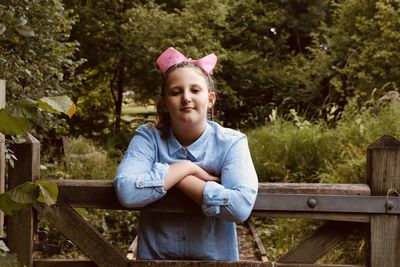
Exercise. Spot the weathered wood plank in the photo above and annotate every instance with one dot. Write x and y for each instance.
(383, 174)
(83, 263)
(331, 216)
(20, 227)
(260, 245)
(84, 193)
(2, 155)
(325, 203)
(82, 234)
(63, 263)
(316, 245)
(314, 265)
(315, 188)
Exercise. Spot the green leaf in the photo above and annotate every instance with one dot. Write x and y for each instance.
(25, 108)
(8, 17)
(3, 246)
(20, 21)
(26, 193)
(48, 192)
(12, 126)
(9, 206)
(58, 104)
(3, 28)
(25, 31)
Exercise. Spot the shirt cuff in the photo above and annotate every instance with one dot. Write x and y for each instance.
(214, 196)
(155, 178)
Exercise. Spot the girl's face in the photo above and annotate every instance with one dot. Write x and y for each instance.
(187, 99)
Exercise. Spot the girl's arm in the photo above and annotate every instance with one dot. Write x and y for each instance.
(234, 198)
(140, 180)
(184, 170)
(193, 187)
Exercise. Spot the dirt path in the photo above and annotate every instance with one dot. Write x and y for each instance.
(247, 247)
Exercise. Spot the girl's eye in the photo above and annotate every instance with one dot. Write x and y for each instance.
(174, 92)
(196, 90)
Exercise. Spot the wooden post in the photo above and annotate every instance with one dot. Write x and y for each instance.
(383, 174)
(20, 227)
(2, 155)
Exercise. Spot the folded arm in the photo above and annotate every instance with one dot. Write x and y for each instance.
(140, 180)
(234, 198)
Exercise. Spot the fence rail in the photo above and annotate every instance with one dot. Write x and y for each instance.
(346, 207)
(2, 154)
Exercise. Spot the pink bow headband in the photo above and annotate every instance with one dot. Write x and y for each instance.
(171, 57)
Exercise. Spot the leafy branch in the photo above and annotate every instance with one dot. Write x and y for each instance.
(15, 120)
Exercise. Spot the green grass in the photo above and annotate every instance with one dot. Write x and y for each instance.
(138, 110)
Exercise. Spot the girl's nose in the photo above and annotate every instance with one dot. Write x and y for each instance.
(186, 98)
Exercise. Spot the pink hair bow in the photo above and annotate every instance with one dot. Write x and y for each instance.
(171, 57)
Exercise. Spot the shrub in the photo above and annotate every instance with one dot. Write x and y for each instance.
(291, 151)
(85, 160)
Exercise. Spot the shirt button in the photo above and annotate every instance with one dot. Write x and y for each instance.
(183, 150)
(184, 238)
(225, 201)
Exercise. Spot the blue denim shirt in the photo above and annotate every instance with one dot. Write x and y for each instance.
(139, 181)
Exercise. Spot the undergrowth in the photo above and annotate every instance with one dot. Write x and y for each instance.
(292, 149)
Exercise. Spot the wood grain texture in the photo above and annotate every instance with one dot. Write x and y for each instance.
(21, 225)
(2, 155)
(383, 174)
(167, 263)
(315, 246)
(260, 245)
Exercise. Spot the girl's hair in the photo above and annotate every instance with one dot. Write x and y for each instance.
(163, 119)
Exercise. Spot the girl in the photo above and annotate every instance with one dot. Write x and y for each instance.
(209, 163)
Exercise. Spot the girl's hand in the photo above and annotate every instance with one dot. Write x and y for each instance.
(204, 175)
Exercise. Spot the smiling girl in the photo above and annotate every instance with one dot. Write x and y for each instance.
(207, 162)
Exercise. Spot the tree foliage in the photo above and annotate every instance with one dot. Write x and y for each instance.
(296, 54)
(36, 57)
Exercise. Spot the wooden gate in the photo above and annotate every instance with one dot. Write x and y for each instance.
(346, 207)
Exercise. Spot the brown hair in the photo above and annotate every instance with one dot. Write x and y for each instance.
(163, 119)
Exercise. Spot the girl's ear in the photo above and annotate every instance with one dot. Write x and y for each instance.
(211, 99)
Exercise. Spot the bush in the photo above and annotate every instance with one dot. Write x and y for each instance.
(85, 160)
(297, 150)
(292, 151)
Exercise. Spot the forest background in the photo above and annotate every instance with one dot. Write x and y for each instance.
(312, 83)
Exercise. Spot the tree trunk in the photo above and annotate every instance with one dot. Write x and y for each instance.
(118, 101)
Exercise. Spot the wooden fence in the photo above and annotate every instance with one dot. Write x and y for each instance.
(372, 207)
(2, 153)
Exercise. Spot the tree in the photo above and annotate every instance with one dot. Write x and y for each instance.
(352, 56)
(35, 57)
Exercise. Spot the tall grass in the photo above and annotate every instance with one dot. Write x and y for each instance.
(297, 150)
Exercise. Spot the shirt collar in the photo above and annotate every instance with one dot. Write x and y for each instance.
(194, 149)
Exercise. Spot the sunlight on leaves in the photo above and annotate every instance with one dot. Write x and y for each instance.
(25, 193)
(8, 206)
(57, 105)
(24, 108)
(48, 192)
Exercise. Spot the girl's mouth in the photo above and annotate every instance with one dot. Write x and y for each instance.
(185, 109)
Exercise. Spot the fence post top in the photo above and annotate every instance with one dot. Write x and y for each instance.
(385, 141)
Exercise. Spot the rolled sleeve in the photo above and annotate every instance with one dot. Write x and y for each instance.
(155, 178)
(214, 196)
(234, 198)
(139, 179)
